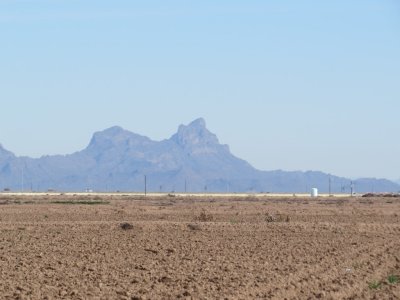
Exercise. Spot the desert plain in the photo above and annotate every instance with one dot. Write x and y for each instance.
(61, 246)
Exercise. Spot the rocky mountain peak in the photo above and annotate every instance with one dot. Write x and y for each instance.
(195, 135)
(113, 131)
(115, 137)
(117, 159)
(5, 153)
(198, 123)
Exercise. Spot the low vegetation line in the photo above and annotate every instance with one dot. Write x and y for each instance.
(80, 202)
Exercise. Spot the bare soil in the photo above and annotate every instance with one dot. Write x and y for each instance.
(125, 247)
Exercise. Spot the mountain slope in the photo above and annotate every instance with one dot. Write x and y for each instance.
(193, 158)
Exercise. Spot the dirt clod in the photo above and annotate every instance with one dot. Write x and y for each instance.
(194, 226)
(126, 226)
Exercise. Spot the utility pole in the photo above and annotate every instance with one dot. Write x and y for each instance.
(352, 188)
(330, 186)
(145, 185)
(185, 186)
(22, 179)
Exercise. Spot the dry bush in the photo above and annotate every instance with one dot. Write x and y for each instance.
(126, 226)
(368, 195)
(277, 217)
(204, 217)
(251, 198)
(380, 195)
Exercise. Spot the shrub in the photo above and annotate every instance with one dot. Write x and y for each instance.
(374, 285)
(205, 217)
(270, 218)
(393, 279)
(126, 226)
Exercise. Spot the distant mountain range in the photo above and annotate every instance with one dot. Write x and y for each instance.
(191, 160)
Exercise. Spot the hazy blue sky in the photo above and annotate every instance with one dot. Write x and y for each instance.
(294, 85)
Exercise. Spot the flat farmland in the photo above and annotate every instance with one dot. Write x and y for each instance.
(132, 247)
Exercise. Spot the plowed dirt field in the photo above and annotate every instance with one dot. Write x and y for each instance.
(79, 247)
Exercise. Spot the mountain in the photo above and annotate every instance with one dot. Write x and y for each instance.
(192, 159)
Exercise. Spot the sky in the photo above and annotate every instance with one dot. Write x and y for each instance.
(287, 84)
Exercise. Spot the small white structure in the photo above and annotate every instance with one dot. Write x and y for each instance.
(314, 192)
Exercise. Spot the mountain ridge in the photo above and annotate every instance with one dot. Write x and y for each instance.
(191, 159)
